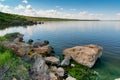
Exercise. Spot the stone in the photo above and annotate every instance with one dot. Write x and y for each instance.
(60, 72)
(70, 78)
(53, 76)
(19, 38)
(44, 51)
(40, 44)
(66, 61)
(72, 65)
(52, 60)
(117, 79)
(53, 69)
(85, 55)
(39, 70)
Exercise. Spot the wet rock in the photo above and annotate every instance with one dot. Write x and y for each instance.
(85, 55)
(40, 44)
(39, 70)
(52, 60)
(66, 61)
(30, 41)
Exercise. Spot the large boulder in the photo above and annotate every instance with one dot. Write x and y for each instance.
(85, 55)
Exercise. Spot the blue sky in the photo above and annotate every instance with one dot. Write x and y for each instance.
(91, 9)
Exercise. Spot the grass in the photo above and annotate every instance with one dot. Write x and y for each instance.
(17, 66)
(82, 73)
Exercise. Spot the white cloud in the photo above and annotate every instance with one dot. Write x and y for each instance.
(19, 7)
(25, 1)
(5, 8)
(118, 14)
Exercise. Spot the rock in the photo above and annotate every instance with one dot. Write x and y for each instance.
(70, 78)
(14, 78)
(72, 65)
(44, 51)
(19, 38)
(40, 44)
(53, 76)
(60, 72)
(52, 60)
(117, 79)
(39, 70)
(53, 69)
(30, 41)
(66, 61)
(85, 55)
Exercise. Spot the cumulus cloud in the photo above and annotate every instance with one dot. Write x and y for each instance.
(25, 1)
(5, 8)
(28, 10)
(19, 7)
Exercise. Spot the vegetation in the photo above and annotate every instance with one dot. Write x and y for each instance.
(10, 65)
(81, 72)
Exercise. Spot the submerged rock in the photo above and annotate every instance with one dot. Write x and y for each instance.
(85, 55)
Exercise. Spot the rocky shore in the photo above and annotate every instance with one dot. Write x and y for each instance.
(45, 65)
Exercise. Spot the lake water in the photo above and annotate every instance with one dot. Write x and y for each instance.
(67, 34)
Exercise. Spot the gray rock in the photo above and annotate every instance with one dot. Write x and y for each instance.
(39, 70)
(66, 61)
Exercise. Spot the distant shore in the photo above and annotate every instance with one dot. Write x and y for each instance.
(16, 20)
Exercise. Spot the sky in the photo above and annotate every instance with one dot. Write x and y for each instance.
(73, 9)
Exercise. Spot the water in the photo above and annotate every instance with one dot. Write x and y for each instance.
(67, 34)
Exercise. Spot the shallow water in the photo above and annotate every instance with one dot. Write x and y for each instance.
(71, 33)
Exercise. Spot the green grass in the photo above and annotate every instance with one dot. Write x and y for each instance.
(5, 56)
(82, 73)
